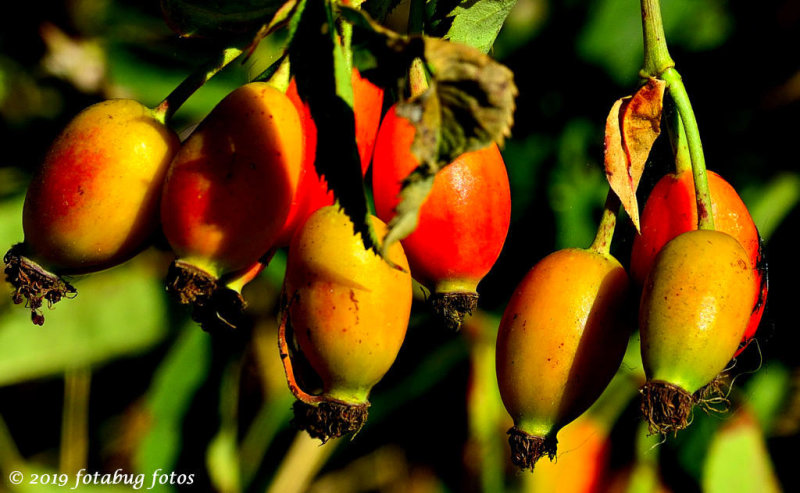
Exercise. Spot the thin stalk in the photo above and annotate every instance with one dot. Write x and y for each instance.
(75, 421)
(167, 108)
(484, 407)
(705, 218)
(347, 45)
(300, 464)
(658, 63)
(272, 418)
(644, 477)
(656, 54)
(605, 232)
(680, 146)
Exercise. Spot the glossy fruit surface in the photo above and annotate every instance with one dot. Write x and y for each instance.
(94, 201)
(229, 189)
(347, 307)
(561, 339)
(464, 221)
(671, 210)
(367, 107)
(695, 306)
(312, 190)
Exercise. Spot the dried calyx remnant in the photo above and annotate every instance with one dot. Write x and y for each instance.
(33, 283)
(453, 308)
(329, 419)
(190, 284)
(215, 307)
(666, 407)
(222, 312)
(526, 449)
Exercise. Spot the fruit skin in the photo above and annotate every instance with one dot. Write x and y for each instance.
(312, 190)
(347, 307)
(229, 188)
(561, 340)
(94, 202)
(367, 107)
(464, 221)
(695, 306)
(671, 210)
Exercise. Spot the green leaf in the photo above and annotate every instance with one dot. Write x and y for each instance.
(738, 460)
(322, 73)
(169, 398)
(116, 313)
(217, 18)
(477, 23)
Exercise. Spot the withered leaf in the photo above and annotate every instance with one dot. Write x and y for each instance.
(632, 126)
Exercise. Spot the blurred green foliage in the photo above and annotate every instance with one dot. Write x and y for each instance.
(166, 395)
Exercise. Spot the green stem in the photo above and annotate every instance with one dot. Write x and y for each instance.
(656, 54)
(658, 63)
(605, 232)
(167, 108)
(75, 421)
(274, 415)
(705, 218)
(300, 464)
(644, 477)
(680, 147)
(347, 45)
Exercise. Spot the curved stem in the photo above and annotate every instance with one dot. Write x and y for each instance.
(286, 360)
(605, 232)
(705, 218)
(656, 54)
(677, 138)
(658, 63)
(167, 108)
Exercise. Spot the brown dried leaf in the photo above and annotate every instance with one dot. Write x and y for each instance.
(632, 126)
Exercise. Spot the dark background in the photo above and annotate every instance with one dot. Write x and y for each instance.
(158, 392)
